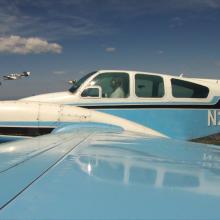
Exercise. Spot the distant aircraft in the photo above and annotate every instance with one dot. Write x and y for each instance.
(15, 76)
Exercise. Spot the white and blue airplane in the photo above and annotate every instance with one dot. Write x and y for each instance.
(116, 146)
(15, 76)
(178, 107)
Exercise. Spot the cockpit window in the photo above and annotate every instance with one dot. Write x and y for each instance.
(80, 82)
(113, 85)
(185, 89)
(149, 86)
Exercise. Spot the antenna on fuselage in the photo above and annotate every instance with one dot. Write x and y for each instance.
(181, 75)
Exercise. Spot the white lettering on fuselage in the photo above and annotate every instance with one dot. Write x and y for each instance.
(213, 118)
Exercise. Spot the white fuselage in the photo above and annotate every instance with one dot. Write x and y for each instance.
(177, 107)
(76, 97)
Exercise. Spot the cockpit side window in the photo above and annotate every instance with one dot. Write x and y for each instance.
(149, 86)
(114, 85)
(185, 89)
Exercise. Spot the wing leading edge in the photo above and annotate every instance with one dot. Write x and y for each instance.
(98, 173)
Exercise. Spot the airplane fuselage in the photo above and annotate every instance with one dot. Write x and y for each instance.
(176, 107)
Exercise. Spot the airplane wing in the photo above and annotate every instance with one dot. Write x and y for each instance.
(101, 172)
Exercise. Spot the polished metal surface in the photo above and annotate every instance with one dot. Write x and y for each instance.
(91, 174)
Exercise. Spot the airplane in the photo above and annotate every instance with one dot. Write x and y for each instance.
(172, 105)
(84, 154)
(15, 76)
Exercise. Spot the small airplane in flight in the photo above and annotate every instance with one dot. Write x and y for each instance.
(177, 103)
(15, 76)
(117, 145)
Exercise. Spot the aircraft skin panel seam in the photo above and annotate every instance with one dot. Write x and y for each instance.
(44, 172)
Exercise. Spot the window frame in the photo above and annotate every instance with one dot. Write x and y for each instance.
(90, 97)
(109, 72)
(154, 98)
(190, 82)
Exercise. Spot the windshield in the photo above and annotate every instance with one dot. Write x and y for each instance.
(80, 82)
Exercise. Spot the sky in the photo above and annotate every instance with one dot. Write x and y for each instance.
(63, 40)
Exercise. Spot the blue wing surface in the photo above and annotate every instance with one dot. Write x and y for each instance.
(93, 173)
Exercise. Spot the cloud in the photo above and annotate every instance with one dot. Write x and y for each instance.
(20, 45)
(210, 3)
(51, 20)
(160, 52)
(176, 22)
(55, 19)
(59, 72)
(128, 9)
(161, 5)
(110, 49)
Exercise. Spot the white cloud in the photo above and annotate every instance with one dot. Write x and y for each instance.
(73, 18)
(160, 52)
(211, 3)
(58, 21)
(176, 22)
(20, 45)
(59, 72)
(110, 49)
(130, 8)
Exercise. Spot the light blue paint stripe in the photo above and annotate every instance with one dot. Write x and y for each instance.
(44, 124)
(19, 123)
(29, 123)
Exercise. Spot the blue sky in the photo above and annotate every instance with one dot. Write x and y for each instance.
(62, 40)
